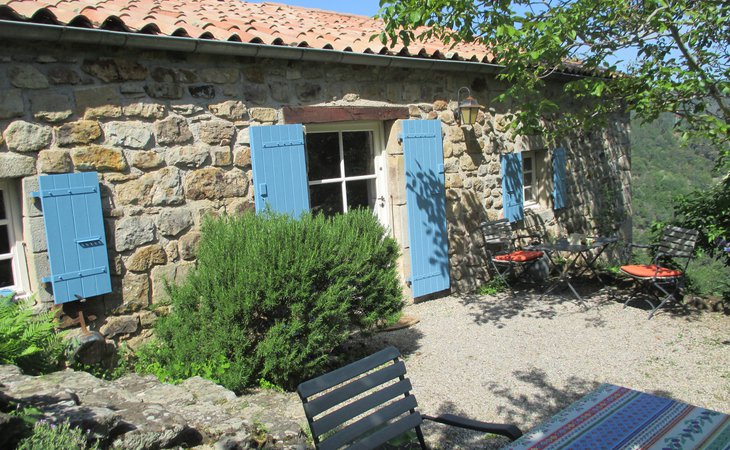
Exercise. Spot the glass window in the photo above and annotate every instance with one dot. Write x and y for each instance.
(326, 198)
(323, 155)
(13, 272)
(4, 240)
(341, 171)
(360, 193)
(528, 171)
(358, 153)
(6, 273)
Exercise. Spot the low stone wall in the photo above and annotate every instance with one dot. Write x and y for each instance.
(141, 413)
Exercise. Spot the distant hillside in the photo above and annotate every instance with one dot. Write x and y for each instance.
(662, 168)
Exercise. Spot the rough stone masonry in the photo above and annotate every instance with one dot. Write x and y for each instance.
(169, 135)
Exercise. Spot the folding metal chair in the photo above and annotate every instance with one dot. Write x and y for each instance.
(505, 253)
(664, 277)
(374, 405)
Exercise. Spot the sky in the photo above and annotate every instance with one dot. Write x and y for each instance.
(362, 7)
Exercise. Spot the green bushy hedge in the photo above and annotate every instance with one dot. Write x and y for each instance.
(272, 296)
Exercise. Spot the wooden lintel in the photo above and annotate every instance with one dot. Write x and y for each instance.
(326, 114)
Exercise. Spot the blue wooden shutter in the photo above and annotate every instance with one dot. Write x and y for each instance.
(426, 204)
(560, 196)
(512, 190)
(75, 234)
(279, 169)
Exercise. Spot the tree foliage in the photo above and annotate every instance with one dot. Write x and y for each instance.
(682, 67)
(682, 49)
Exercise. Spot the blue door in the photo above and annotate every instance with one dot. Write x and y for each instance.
(279, 169)
(426, 205)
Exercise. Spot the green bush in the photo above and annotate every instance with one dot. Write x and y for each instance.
(55, 437)
(492, 287)
(272, 296)
(28, 340)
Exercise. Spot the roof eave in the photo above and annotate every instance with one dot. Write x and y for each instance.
(64, 34)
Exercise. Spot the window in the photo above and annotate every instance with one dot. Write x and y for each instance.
(536, 178)
(344, 168)
(529, 178)
(13, 271)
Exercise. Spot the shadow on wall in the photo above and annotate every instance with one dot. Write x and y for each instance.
(467, 258)
(599, 203)
(427, 188)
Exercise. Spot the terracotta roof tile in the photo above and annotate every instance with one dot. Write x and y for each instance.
(224, 20)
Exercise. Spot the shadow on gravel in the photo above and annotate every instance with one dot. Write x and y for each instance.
(684, 311)
(528, 410)
(530, 302)
(444, 436)
(407, 340)
(500, 308)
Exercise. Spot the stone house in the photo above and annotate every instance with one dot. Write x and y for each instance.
(185, 108)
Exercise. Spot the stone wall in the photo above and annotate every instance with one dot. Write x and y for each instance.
(136, 412)
(169, 135)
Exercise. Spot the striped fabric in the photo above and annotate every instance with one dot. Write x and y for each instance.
(613, 417)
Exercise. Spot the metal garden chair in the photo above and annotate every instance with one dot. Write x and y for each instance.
(367, 403)
(664, 277)
(505, 253)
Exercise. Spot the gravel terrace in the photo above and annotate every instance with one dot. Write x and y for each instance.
(521, 359)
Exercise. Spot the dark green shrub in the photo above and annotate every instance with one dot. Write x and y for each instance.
(28, 340)
(272, 296)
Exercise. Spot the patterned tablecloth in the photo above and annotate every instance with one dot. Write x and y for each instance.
(613, 417)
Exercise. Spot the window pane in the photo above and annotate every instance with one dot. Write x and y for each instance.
(528, 179)
(4, 240)
(528, 195)
(323, 156)
(526, 163)
(6, 273)
(2, 205)
(360, 194)
(326, 198)
(357, 148)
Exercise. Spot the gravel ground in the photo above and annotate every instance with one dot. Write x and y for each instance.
(519, 359)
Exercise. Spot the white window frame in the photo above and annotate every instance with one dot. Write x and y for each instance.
(13, 214)
(378, 143)
(532, 154)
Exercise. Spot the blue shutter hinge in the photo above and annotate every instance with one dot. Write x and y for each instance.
(64, 191)
(283, 144)
(426, 276)
(420, 135)
(74, 275)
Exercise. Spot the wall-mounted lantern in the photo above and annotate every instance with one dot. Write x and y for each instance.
(468, 108)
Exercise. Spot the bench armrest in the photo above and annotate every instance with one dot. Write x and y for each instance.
(510, 431)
